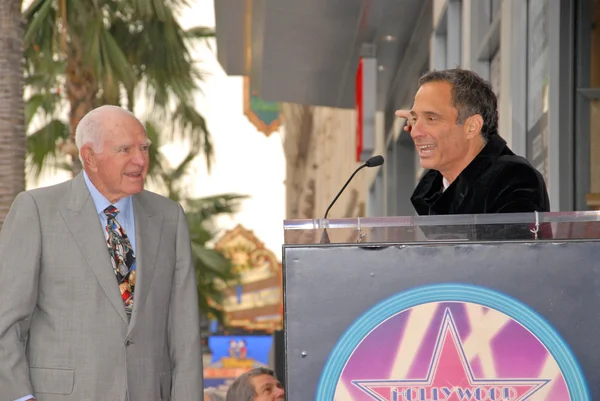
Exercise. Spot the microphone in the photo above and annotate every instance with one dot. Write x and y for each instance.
(372, 162)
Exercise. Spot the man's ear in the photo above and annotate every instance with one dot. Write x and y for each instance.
(87, 154)
(473, 126)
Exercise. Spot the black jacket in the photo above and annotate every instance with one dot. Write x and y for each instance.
(496, 181)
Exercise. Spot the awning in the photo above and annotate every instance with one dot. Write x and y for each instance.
(307, 51)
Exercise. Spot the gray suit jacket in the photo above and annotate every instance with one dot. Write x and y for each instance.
(64, 334)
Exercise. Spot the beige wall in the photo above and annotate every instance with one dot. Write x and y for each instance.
(319, 146)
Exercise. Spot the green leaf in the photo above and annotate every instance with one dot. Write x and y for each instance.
(213, 262)
(199, 32)
(31, 107)
(116, 62)
(192, 126)
(38, 14)
(155, 163)
(42, 144)
(142, 8)
(208, 207)
(33, 7)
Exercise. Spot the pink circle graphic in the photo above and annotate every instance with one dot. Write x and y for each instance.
(451, 351)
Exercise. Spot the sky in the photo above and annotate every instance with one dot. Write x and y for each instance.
(247, 162)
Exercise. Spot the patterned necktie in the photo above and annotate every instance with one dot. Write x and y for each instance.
(122, 257)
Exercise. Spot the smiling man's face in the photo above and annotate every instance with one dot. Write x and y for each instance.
(120, 169)
(267, 388)
(442, 144)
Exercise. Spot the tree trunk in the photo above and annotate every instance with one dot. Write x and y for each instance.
(12, 114)
(81, 91)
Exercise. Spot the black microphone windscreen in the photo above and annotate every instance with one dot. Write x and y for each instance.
(375, 161)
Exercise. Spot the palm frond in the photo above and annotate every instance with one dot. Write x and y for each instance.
(214, 263)
(212, 267)
(180, 170)
(115, 67)
(211, 206)
(32, 8)
(38, 16)
(91, 35)
(43, 103)
(199, 32)
(142, 8)
(42, 145)
(192, 125)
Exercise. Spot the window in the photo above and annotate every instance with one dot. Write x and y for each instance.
(537, 86)
(485, 42)
(485, 35)
(495, 6)
(587, 107)
(446, 39)
(495, 73)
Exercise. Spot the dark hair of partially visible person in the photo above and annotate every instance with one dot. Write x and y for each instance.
(471, 95)
(242, 389)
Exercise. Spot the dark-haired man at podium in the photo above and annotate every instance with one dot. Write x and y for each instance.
(471, 170)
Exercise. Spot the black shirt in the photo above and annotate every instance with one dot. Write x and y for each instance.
(496, 181)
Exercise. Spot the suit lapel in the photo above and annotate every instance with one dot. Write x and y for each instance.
(82, 220)
(148, 226)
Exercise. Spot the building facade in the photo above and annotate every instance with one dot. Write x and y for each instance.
(541, 56)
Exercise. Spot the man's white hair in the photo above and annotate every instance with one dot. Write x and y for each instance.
(89, 129)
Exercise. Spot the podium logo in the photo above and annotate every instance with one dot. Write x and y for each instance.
(450, 377)
(445, 351)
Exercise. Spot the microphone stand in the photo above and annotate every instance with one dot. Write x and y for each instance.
(372, 162)
(324, 236)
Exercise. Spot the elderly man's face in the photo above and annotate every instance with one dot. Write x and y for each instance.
(267, 388)
(120, 169)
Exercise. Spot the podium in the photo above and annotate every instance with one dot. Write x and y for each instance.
(442, 308)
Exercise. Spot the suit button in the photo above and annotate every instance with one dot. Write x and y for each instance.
(128, 343)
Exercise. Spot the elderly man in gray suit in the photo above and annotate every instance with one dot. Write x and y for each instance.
(98, 297)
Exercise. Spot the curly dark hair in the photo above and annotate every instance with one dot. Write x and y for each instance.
(471, 95)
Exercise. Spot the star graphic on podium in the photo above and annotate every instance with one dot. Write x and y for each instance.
(450, 377)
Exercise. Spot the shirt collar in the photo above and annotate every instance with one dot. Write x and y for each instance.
(100, 201)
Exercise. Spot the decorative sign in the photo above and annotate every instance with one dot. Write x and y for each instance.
(233, 355)
(265, 116)
(451, 342)
(255, 302)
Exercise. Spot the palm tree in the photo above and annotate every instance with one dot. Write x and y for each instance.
(81, 54)
(212, 267)
(12, 129)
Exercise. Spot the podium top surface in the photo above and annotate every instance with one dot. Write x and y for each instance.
(554, 226)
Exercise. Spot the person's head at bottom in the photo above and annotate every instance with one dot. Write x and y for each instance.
(258, 384)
